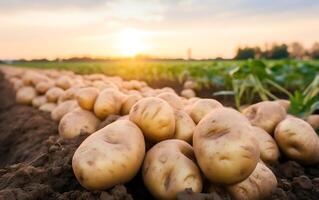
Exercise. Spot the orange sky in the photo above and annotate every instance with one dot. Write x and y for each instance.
(53, 29)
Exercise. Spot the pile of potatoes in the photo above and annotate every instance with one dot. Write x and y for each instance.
(177, 141)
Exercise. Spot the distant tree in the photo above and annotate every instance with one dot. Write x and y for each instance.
(245, 53)
(314, 53)
(278, 52)
(296, 50)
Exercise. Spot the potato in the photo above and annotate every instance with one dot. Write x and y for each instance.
(108, 102)
(63, 108)
(202, 107)
(78, 122)
(86, 97)
(224, 147)
(259, 185)
(169, 167)
(69, 94)
(17, 84)
(108, 120)
(284, 103)
(298, 140)
(172, 99)
(39, 101)
(44, 86)
(265, 115)
(188, 93)
(47, 107)
(25, 95)
(129, 102)
(110, 156)
(313, 120)
(269, 152)
(53, 94)
(184, 126)
(63, 82)
(189, 84)
(155, 117)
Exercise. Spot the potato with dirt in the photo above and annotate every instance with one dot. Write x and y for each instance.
(111, 156)
(298, 140)
(63, 108)
(25, 95)
(265, 114)
(78, 122)
(128, 103)
(108, 102)
(170, 167)
(202, 107)
(224, 146)
(86, 97)
(155, 117)
(184, 126)
(259, 185)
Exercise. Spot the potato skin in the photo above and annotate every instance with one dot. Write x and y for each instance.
(169, 168)
(202, 107)
(108, 102)
(63, 108)
(47, 107)
(298, 140)
(53, 94)
(25, 95)
(78, 122)
(172, 99)
(284, 103)
(269, 151)
(265, 115)
(44, 86)
(224, 147)
(63, 82)
(184, 126)
(86, 97)
(110, 156)
(259, 185)
(129, 102)
(155, 117)
(39, 101)
(313, 120)
(188, 93)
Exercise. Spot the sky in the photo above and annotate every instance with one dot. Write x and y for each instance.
(33, 29)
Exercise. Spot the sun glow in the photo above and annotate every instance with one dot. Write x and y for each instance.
(131, 42)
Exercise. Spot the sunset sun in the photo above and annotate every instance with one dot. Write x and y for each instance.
(131, 42)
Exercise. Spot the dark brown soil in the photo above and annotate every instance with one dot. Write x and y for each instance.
(35, 163)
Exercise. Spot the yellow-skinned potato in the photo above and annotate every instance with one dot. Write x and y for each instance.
(110, 156)
(44, 86)
(155, 117)
(25, 95)
(269, 151)
(172, 99)
(108, 102)
(202, 107)
(78, 122)
(188, 93)
(169, 167)
(53, 94)
(69, 94)
(224, 147)
(265, 115)
(86, 97)
(259, 185)
(184, 126)
(47, 107)
(129, 102)
(298, 140)
(284, 103)
(39, 101)
(63, 82)
(63, 108)
(313, 120)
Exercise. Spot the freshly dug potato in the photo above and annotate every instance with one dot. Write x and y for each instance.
(224, 147)
(172, 99)
(69, 94)
(188, 93)
(169, 167)
(202, 107)
(39, 101)
(313, 120)
(110, 156)
(47, 107)
(44, 86)
(265, 115)
(155, 117)
(25, 95)
(78, 122)
(184, 126)
(86, 97)
(53, 94)
(129, 102)
(298, 140)
(63, 108)
(108, 102)
(17, 84)
(190, 84)
(259, 185)
(63, 82)
(269, 152)
(284, 103)
(108, 120)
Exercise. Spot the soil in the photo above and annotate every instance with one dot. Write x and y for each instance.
(35, 163)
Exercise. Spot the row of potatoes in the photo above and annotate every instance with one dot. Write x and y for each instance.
(178, 142)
